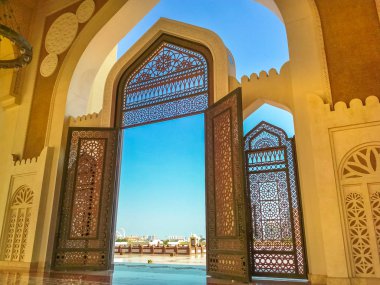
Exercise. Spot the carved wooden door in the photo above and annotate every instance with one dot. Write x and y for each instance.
(278, 247)
(226, 221)
(86, 219)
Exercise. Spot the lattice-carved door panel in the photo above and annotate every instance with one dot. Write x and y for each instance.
(171, 79)
(225, 191)
(278, 244)
(86, 210)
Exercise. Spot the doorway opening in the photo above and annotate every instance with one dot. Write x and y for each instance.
(161, 203)
(170, 81)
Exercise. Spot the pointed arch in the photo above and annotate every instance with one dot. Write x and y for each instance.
(197, 39)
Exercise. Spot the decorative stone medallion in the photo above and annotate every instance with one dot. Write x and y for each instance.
(61, 33)
(48, 65)
(85, 11)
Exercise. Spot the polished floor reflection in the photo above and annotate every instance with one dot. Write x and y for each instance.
(127, 274)
(193, 259)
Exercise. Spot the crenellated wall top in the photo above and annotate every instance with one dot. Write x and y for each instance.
(88, 120)
(273, 87)
(31, 163)
(356, 112)
(267, 75)
(355, 104)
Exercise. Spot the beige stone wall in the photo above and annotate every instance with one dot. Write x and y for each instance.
(9, 78)
(95, 101)
(273, 87)
(343, 131)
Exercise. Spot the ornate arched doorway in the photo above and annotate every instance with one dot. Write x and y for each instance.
(170, 79)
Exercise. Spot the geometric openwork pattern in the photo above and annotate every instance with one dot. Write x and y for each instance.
(365, 161)
(359, 236)
(375, 206)
(278, 248)
(225, 213)
(87, 192)
(86, 219)
(19, 216)
(360, 182)
(171, 82)
(225, 190)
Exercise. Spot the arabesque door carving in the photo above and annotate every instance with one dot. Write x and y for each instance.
(84, 237)
(226, 215)
(172, 78)
(278, 247)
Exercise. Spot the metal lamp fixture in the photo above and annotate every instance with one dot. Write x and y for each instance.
(10, 31)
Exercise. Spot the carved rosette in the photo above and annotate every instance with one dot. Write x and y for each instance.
(61, 35)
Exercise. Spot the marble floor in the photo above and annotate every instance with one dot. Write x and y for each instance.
(128, 273)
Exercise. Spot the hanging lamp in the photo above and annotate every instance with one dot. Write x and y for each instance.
(10, 34)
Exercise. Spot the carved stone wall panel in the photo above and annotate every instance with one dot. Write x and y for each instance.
(360, 183)
(21, 238)
(17, 224)
(374, 197)
(362, 163)
(359, 235)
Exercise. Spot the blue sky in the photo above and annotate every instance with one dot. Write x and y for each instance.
(162, 186)
(254, 35)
